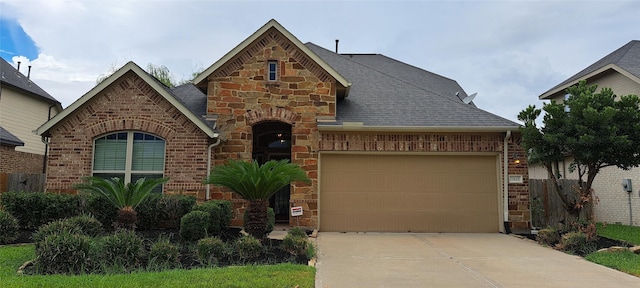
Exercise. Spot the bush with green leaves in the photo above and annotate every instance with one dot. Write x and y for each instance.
(247, 247)
(211, 250)
(121, 251)
(164, 255)
(66, 253)
(548, 236)
(9, 227)
(193, 225)
(577, 243)
(53, 228)
(296, 243)
(220, 215)
(99, 207)
(35, 209)
(163, 211)
(89, 225)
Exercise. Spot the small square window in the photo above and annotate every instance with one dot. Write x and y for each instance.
(272, 70)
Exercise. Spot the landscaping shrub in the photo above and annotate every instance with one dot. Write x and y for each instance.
(9, 227)
(121, 250)
(164, 255)
(271, 220)
(211, 250)
(35, 209)
(577, 243)
(163, 211)
(247, 247)
(220, 215)
(54, 228)
(548, 236)
(65, 253)
(99, 207)
(89, 225)
(296, 243)
(193, 225)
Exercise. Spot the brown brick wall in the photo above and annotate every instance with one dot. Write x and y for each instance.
(129, 104)
(12, 161)
(241, 97)
(518, 195)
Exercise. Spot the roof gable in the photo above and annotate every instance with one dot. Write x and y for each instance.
(272, 30)
(625, 60)
(12, 77)
(150, 80)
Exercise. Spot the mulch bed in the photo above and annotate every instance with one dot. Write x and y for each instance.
(603, 242)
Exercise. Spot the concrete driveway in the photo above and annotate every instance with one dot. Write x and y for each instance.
(453, 260)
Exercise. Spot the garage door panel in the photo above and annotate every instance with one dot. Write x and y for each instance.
(400, 193)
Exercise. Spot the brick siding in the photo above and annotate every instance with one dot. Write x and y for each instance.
(128, 104)
(12, 161)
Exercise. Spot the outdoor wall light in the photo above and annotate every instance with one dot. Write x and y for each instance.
(516, 159)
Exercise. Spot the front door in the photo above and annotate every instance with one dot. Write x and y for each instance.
(272, 141)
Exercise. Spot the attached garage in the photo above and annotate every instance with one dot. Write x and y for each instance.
(409, 192)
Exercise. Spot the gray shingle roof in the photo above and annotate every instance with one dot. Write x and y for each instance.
(626, 57)
(12, 77)
(6, 138)
(192, 98)
(387, 92)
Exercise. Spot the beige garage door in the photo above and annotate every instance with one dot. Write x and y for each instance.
(408, 193)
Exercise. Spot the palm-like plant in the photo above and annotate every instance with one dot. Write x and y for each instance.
(125, 197)
(256, 184)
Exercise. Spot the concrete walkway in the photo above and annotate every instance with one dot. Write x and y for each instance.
(453, 260)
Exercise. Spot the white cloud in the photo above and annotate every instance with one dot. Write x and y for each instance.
(509, 52)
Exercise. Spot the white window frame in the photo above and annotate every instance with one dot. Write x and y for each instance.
(129, 157)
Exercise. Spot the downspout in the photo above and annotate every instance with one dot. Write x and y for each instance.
(207, 197)
(505, 194)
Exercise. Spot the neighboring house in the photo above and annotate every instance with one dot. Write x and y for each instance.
(388, 146)
(24, 107)
(619, 71)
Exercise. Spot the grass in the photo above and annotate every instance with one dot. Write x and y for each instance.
(630, 234)
(282, 275)
(625, 261)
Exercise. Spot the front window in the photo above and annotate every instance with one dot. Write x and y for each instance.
(272, 70)
(129, 155)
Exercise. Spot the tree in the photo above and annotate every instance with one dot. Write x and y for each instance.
(256, 184)
(592, 129)
(123, 197)
(161, 73)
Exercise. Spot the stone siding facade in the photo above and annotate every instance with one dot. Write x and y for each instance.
(129, 104)
(240, 96)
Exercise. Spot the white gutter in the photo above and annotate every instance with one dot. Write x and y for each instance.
(207, 196)
(505, 181)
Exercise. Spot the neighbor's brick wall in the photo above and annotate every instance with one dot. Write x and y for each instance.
(241, 97)
(129, 104)
(12, 161)
(518, 196)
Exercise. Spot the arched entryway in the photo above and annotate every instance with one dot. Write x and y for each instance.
(272, 141)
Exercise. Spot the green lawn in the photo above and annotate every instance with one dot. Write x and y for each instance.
(624, 261)
(630, 234)
(282, 275)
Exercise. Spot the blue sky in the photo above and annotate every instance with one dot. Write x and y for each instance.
(509, 52)
(14, 41)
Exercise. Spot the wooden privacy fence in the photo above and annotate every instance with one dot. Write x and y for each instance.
(547, 209)
(22, 182)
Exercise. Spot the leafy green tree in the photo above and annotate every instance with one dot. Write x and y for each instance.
(592, 128)
(161, 73)
(124, 197)
(256, 184)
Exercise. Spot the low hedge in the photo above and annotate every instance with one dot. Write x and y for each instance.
(35, 209)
